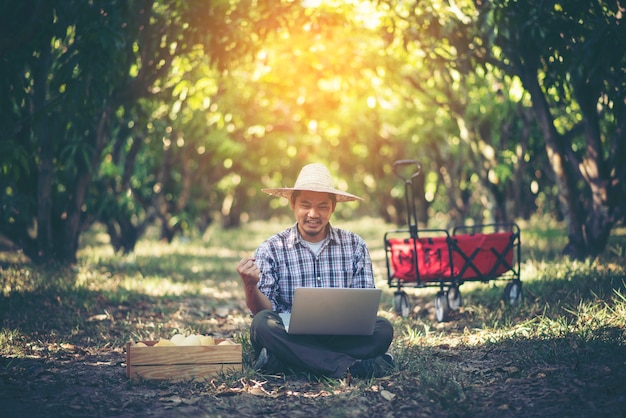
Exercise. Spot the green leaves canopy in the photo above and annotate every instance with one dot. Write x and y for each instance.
(135, 112)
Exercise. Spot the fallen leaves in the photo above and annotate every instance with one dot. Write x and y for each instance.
(387, 395)
(509, 369)
(175, 400)
(252, 387)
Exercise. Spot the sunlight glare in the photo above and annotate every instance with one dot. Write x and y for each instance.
(364, 11)
(516, 90)
(312, 4)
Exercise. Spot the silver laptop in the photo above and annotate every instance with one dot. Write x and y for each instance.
(332, 311)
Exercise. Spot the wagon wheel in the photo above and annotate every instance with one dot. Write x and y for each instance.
(513, 293)
(401, 303)
(441, 306)
(455, 299)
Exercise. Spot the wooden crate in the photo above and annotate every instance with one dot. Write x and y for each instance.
(178, 363)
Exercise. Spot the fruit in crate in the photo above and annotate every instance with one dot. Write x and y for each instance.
(191, 340)
(185, 341)
(206, 340)
(177, 339)
(164, 343)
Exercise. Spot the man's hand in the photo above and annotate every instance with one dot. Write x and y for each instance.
(250, 275)
(248, 271)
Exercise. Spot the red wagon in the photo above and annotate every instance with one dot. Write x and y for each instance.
(437, 257)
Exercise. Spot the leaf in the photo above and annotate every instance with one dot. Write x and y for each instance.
(259, 391)
(387, 395)
(174, 400)
(98, 317)
(222, 311)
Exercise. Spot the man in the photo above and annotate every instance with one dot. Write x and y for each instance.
(312, 253)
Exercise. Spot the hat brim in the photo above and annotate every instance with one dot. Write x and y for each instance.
(286, 192)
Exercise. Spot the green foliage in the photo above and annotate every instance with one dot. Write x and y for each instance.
(560, 52)
(174, 113)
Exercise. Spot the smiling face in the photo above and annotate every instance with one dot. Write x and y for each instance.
(312, 211)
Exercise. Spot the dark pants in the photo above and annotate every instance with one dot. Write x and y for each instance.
(329, 355)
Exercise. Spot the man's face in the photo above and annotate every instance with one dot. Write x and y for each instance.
(313, 211)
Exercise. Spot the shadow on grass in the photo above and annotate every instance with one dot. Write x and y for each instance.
(567, 376)
(511, 378)
(113, 302)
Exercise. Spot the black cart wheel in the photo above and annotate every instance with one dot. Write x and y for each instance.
(513, 293)
(441, 306)
(455, 299)
(401, 303)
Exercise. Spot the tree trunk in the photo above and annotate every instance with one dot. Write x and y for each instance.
(68, 224)
(586, 236)
(556, 156)
(596, 172)
(45, 169)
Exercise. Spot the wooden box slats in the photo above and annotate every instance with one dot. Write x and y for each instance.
(181, 362)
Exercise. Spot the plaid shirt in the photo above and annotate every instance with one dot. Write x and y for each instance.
(287, 262)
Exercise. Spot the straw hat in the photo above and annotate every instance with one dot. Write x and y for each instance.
(313, 178)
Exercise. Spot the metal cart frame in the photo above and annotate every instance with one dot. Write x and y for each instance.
(436, 257)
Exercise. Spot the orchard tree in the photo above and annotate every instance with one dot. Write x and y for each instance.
(469, 119)
(570, 57)
(73, 77)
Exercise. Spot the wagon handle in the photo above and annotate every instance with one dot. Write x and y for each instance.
(408, 192)
(403, 163)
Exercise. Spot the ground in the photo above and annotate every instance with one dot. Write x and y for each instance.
(75, 381)
(81, 383)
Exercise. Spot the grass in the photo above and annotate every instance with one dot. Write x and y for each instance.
(562, 352)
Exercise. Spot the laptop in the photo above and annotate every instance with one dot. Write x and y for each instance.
(332, 311)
